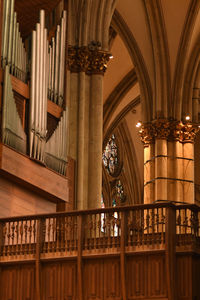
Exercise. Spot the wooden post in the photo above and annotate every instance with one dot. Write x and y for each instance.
(1, 244)
(122, 255)
(1, 238)
(1, 71)
(79, 257)
(170, 251)
(39, 240)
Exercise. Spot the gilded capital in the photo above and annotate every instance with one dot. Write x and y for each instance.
(171, 130)
(77, 59)
(87, 59)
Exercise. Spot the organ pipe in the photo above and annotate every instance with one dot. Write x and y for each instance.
(57, 63)
(47, 81)
(12, 130)
(56, 147)
(13, 52)
(39, 87)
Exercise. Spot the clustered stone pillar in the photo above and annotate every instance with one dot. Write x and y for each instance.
(86, 69)
(169, 161)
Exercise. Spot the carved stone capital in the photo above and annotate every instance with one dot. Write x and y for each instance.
(77, 59)
(87, 59)
(98, 61)
(171, 130)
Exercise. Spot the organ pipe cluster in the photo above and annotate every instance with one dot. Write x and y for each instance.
(13, 51)
(47, 81)
(38, 95)
(56, 147)
(12, 131)
(57, 63)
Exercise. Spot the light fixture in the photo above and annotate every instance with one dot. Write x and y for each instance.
(187, 118)
(138, 124)
(111, 56)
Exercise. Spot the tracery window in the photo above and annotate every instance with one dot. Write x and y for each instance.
(110, 155)
(113, 165)
(118, 192)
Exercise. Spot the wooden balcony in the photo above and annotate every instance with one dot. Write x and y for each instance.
(134, 252)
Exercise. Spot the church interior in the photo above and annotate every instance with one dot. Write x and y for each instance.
(100, 149)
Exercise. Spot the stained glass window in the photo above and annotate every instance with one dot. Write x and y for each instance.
(110, 155)
(120, 191)
(102, 215)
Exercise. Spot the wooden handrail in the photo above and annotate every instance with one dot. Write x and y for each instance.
(90, 211)
(102, 210)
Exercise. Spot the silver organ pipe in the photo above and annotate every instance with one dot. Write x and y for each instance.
(13, 52)
(38, 94)
(56, 147)
(47, 82)
(12, 130)
(57, 65)
(62, 59)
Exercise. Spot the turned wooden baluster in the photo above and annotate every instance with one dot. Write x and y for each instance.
(1, 238)
(26, 235)
(162, 225)
(4, 238)
(30, 229)
(95, 230)
(9, 236)
(13, 248)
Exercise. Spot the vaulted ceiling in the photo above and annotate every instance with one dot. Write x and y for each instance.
(155, 57)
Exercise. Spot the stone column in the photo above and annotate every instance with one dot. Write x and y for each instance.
(169, 161)
(87, 66)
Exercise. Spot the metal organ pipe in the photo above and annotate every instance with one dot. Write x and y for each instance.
(53, 68)
(32, 128)
(56, 156)
(10, 39)
(13, 52)
(12, 131)
(47, 81)
(62, 59)
(39, 87)
(57, 63)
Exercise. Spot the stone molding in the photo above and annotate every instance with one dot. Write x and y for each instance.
(171, 130)
(89, 59)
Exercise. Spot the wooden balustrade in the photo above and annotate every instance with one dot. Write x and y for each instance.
(144, 226)
(137, 246)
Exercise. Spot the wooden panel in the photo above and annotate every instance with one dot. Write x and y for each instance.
(196, 277)
(112, 279)
(50, 281)
(20, 104)
(93, 279)
(136, 276)
(54, 109)
(184, 278)
(20, 87)
(52, 123)
(18, 201)
(59, 281)
(156, 276)
(69, 281)
(17, 282)
(20, 168)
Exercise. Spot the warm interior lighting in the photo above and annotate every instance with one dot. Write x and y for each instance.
(187, 118)
(138, 124)
(111, 56)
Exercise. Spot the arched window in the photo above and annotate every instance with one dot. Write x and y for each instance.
(118, 192)
(110, 155)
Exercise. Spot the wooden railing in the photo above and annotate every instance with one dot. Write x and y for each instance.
(141, 226)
